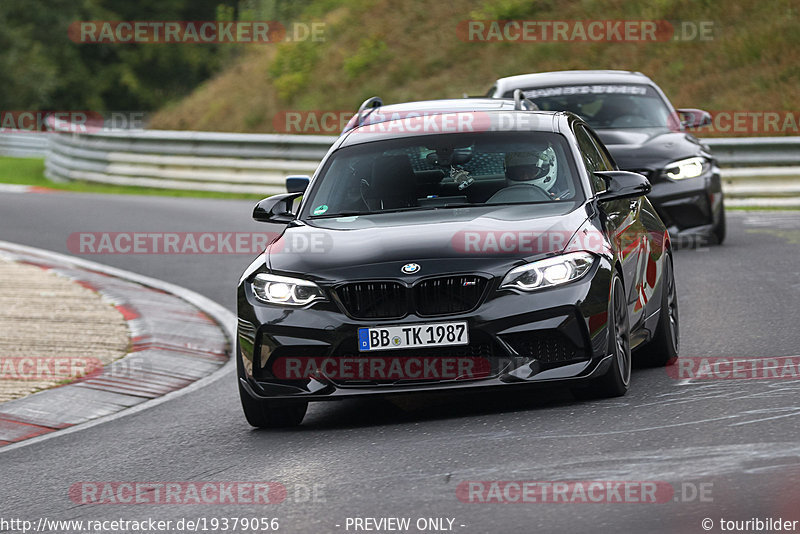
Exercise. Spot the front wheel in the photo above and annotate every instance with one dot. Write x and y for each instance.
(720, 228)
(268, 413)
(272, 413)
(615, 382)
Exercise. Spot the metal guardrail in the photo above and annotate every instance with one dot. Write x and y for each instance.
(755, 151)
(21, 144)
(210, 161)
(258, 163)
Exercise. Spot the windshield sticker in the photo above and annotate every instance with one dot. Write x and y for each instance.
(319, 210)
(586, 90)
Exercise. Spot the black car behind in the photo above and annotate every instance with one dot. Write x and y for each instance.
(644, 134)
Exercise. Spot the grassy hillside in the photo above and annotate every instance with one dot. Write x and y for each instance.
(410, 50)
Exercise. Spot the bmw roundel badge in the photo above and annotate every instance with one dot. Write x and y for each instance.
(410, 268)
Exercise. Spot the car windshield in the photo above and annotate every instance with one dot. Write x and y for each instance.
(444, 172)
(607, 106)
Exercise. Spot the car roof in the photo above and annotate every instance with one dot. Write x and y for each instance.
(388, 126)
(429, 107)
(567, 77)
(450, 105)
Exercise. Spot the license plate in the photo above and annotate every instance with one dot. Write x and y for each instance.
(412, 336)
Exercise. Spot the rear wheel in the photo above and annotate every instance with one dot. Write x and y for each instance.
(269, 413)
(615, 382)
(663, 348)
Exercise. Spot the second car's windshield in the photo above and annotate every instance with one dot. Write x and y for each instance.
(445, 171)
(606, 106)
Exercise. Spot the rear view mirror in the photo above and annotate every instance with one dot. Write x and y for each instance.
(297, 183)
(622, 184)
(276, 209)
(694, 118)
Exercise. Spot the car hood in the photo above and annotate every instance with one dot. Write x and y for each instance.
(481, 239)
(649, 148)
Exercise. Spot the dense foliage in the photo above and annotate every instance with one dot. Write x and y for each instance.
(42, 69)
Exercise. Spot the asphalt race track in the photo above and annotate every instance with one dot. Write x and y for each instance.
(738, 440)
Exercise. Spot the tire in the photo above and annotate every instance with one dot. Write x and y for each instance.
(663, 349)
(720, 228)
(616, 381)
(268, 413)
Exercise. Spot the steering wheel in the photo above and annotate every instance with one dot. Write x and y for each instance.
(520, 193)
(625, 120)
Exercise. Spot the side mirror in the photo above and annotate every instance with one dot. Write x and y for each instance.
(276, 209)
(623, 184)
(297, 183)
(694, 118)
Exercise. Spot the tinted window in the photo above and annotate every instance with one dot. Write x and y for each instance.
(445, 171)
(608, 161)
(593, 158)
(607, 105)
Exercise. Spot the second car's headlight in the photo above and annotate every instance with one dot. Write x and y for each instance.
(548, 272)
(686, 168)
(284, 290)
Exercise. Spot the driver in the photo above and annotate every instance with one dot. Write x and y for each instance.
(537, 168)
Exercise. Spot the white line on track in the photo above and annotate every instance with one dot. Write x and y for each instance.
(15, 188)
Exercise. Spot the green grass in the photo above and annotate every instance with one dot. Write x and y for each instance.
(750, 62)
(30, 171)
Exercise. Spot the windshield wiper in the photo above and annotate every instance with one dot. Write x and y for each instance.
(341, 214)
(427, 208)
(451, 206)
(395, 210)
(421, 208)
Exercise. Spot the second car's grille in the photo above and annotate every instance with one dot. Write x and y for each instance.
(374, 300)
(390, 300)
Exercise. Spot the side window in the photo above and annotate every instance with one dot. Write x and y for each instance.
(593, 158)
(601, 148)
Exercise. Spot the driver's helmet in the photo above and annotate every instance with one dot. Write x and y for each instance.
(537, 167)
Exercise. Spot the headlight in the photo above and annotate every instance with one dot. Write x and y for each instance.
(283, 290)
(686, 168)
(548, 272)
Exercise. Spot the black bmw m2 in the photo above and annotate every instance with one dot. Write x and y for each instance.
(451, 245)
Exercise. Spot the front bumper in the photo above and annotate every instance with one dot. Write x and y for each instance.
(554, 335)
(688, 207)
